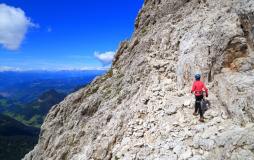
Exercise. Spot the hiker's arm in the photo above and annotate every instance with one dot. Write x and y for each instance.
(193, 87)
(206, 90)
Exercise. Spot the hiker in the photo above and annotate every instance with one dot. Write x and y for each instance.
(198, 89)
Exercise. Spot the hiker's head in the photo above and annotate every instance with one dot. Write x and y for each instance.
(197, 76)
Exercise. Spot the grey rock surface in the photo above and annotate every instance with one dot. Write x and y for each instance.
(142, 108)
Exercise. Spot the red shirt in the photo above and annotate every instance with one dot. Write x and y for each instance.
(198, 87)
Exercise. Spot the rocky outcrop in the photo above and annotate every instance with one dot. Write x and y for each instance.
(142, 108)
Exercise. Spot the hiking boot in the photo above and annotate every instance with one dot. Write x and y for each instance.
(201, 119)
(195, 114)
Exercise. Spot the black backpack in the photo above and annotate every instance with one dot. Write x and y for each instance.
(205, 105)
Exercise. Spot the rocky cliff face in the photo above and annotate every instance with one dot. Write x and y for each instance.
(142, 108)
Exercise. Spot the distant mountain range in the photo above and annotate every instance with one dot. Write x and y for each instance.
(27, 86)
(31, 113)
(25, 99)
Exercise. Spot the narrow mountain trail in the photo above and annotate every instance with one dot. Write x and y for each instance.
(171, 131)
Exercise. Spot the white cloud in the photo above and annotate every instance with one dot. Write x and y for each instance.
(96, 68)
(105, 58)
(83, 68)
(7, 68)
(13, 26)
(49, 29)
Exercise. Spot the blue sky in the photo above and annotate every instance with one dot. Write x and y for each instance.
(66, 34)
